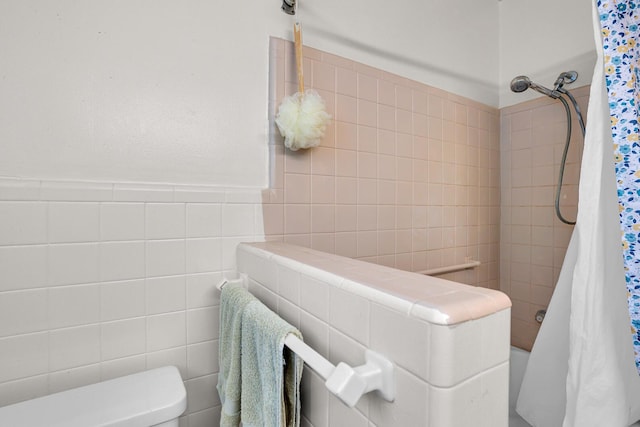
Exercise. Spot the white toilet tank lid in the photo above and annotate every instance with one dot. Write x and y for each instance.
(139, 400)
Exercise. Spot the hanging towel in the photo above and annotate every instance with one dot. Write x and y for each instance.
(271, 372)
(233, 302)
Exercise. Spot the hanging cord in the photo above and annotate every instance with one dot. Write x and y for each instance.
(566, 147)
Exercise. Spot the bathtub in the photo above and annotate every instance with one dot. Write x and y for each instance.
(517, 364)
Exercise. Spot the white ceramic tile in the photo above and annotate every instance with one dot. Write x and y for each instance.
(289, 312)
(121, 367)
(208, 417)
(198, 194)
(201, 393)
(450, 359)
(340, 415)
(350, 314)
(122, 261)
(289, 284)
(141, 192)
(202, 359)
(314, 297)
(345, 349)
(238, 220)
(481, 401)
(73, 347)
(121, 300)
(72, 378)
(165, 294)
(23, 267)
(400, 338)
(176, 356)
(243, 196)
(76, 191)
(166, 331)
(23, 312)
(123, 338)
(23, 356)
(73, 305)
(74, 222)
(23, 223)
(229, 245)
(25, 389)
(315, 333)
(19, 189)
(204, 220)
(495, 343)
(202, 291)
(165, 220)
(204, 255)
(202, 324)
(260, 269)
(410, 407)
(314, 399)
(268, 298)
(122, 221)
(73, 263)
(165, 257)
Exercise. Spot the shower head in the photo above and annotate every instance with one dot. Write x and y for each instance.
(522, 83)
(565, 78)
(289, 7)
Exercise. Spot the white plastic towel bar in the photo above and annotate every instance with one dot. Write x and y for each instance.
(347, 383)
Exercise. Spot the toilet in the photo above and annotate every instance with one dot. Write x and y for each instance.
(151, 398)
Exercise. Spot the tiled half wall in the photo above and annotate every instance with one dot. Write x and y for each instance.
(407, 175)
(425, 325)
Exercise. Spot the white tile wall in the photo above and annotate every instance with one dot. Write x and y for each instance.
(100, 280)
(451, 356)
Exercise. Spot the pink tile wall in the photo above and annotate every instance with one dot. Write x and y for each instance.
(407, 175)
(533, 241)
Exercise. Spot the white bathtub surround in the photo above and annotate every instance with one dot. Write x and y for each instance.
(102, 279)
(450, 342)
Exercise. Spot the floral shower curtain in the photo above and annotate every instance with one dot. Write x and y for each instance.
(620, 22)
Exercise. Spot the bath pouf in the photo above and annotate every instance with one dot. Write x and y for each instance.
(302, 119)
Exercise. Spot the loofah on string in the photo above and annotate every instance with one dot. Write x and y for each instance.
(302, 119)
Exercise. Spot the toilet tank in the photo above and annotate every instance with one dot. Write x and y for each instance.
(145, 399)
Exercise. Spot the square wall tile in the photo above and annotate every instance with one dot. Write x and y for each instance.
(165, 294)
(73, 263)
(74, 347)
(122, 221)
(122, 261)
(24, 356)
(203, 220)
(350, 314)
(23, 312)
(123, 338)
(23, 267)
(165, 257)
(121, 300)
(23, 223)
(73, 305)
(74, 222)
